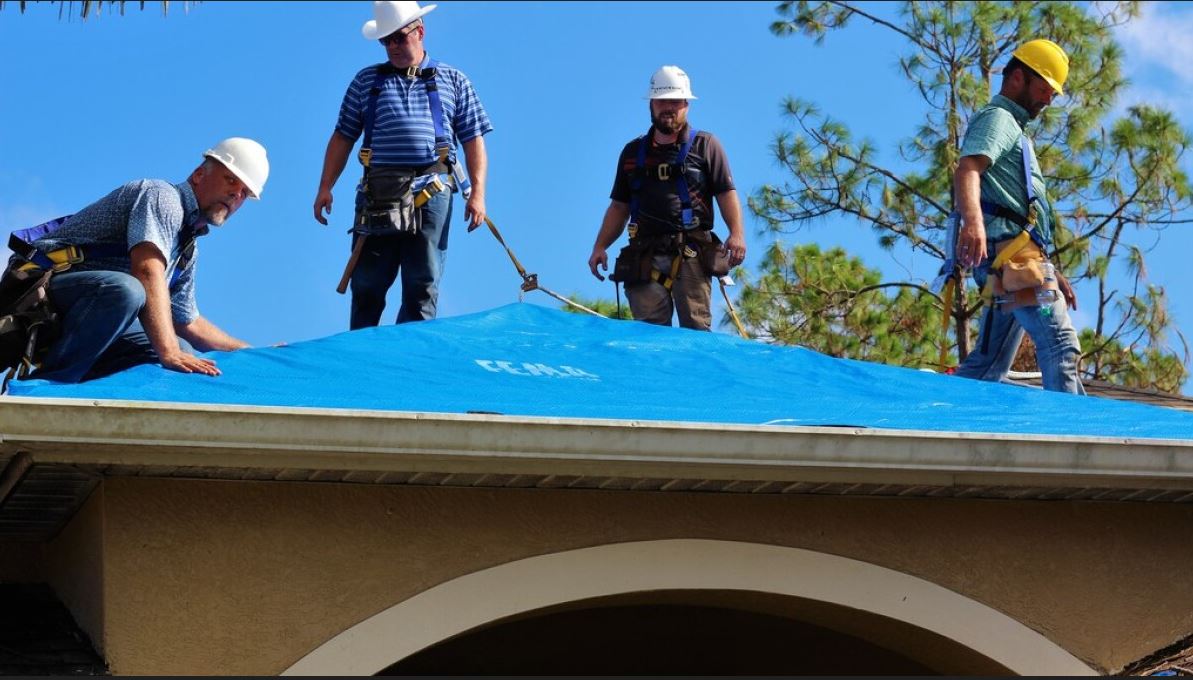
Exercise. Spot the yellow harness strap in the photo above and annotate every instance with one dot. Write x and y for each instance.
(667, 280)
(1018, 243)
(947, 301)
(63, 259)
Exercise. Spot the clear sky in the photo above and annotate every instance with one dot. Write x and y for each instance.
(87, 106)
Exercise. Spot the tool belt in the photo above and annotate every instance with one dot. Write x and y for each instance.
(1024, 266)
(635, 262)
(1021, 275)
(388, 205)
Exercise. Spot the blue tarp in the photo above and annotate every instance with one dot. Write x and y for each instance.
(527, 360)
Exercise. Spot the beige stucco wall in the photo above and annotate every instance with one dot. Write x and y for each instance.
(216, 577)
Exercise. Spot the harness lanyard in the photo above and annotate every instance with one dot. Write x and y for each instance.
(681, 181)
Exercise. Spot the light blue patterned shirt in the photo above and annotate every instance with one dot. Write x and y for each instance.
(143, 211)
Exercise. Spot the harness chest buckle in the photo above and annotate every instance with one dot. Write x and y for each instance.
(664, 170)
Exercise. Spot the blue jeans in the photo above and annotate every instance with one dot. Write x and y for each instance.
(100, 333)
(419, 257)
(1057, 346)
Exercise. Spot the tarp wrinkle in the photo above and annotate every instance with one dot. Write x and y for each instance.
(527, 360)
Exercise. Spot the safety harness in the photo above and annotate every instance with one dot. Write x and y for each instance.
(1028, 234)
(665, 171)
(1025, 222)
(386, 71)
(26, 312)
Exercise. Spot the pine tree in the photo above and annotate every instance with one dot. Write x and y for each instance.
(1115, 183)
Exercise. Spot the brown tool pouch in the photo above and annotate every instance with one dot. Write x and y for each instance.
(714, 258)
(389, 206)
(633, 264)
(1024, 270)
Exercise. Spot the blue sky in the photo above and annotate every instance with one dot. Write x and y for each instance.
(86, 106)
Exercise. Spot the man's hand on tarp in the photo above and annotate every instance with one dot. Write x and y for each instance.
(189, 363)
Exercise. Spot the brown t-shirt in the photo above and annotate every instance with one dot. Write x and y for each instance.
(659, 208)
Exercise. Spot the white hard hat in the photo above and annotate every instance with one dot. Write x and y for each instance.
(391, 16)
(670, 82)
(246, 159)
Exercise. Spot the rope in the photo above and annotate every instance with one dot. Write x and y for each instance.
(531, 281)
(733, 312)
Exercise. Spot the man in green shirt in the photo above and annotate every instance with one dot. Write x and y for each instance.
(997, 203)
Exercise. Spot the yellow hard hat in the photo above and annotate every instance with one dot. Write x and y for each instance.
(1047, 59)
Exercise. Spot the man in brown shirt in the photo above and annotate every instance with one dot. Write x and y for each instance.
(663, 189)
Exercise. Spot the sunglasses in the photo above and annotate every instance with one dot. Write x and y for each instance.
(398, 36)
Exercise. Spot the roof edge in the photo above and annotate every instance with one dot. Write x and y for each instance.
(157, 434)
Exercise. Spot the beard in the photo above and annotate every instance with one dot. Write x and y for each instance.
(1032, 107)
(216, 214)
(669, 123)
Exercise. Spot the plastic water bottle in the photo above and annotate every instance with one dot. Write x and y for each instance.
(1045, 298)
(1046, 294)
(1049, 273)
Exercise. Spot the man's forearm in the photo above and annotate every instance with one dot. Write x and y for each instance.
(206, 336)
(968, 183)
(612, 225)
(730, 207)
(335, 159)
(477, 160)
(155, 315)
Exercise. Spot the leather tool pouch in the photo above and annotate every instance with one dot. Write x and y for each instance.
(1024, 270)
(389, 204)
(632, 265)
(713, 257)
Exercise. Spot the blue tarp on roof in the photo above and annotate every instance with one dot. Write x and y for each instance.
(527, 360)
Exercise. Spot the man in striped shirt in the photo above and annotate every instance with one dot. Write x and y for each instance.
(404, 137)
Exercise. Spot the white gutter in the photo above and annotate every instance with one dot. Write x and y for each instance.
(157, 434)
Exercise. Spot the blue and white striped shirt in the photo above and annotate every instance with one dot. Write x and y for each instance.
(403, 132)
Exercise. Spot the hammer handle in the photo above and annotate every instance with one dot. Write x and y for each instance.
(356, 250)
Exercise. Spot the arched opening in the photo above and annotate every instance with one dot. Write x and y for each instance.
(693, 633)
(830, 606)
